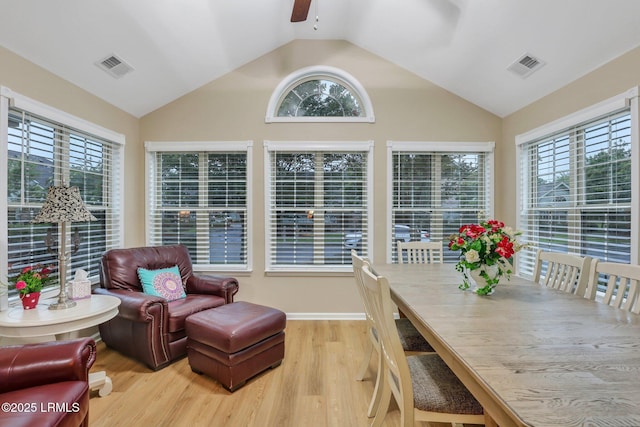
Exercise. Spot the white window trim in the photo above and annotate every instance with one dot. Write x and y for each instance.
(301, 146)
(4, 215)
(295, 78)
(32, 106)
(626, 99)
(152, 147)
(441, 146)
(435, 146)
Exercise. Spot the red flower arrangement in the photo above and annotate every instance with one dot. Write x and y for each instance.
(489, 243)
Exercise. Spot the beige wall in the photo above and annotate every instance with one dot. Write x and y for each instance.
(613, 78)
(27, 79)
(233, 107)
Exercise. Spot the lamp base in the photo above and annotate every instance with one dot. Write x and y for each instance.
(63, 299)
(61, 305)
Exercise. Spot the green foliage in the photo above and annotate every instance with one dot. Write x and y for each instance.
(320, 98)
(607, 173)
(32, 279)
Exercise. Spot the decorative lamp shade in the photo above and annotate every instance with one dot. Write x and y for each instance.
(63, 204)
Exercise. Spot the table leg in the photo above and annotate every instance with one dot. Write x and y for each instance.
(67, 336)
(101, 382)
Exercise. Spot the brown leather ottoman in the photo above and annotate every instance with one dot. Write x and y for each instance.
(236, 341)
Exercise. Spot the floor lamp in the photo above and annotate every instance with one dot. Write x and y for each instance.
(62, 205)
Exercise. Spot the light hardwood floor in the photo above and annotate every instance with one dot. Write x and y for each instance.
(315, 386)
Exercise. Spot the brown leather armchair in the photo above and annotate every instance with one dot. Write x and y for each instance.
(46, 384)
(149, 328)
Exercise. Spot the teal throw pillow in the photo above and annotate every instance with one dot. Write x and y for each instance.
(165, 282)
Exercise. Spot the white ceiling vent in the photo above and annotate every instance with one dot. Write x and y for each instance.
(115, 66)
(526, 65)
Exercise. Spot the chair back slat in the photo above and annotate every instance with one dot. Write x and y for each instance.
(622, 281)
(420, 252)
(632, 297)
(565, 272)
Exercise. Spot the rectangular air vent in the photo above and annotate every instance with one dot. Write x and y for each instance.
(525, 65)
(116, 67)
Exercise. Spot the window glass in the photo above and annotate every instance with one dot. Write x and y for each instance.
(199, 199)
(320, 98)
(319, 94)
(577, 191)
(434, 193)
(42, 153)
(318, 211)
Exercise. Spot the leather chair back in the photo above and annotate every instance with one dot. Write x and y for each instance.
(119, 267)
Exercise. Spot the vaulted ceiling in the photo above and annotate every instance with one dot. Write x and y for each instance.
(465, 46)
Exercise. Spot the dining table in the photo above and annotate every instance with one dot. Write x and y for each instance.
(531, 355)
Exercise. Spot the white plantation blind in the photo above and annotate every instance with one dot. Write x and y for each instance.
(198, 197)
(42, 152)
(435, 188)
(318, 204)
(576, 192)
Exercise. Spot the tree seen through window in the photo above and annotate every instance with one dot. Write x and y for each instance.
(320, 98)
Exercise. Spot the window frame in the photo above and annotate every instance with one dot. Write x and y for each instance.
(439, 147)
(153, 147)
(317, 73)
(10, 99)
(627, 100)
(366, 147)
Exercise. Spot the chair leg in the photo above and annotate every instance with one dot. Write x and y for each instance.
(364, 365)
(385, 400)
(377, 389)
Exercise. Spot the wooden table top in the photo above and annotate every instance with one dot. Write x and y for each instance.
(532, 356)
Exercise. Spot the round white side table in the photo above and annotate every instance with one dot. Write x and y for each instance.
(42, 324)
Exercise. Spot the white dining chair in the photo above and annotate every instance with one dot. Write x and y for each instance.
(411, 340)
(566, 272)
(622, 284)
(423, 386)
(419, 252)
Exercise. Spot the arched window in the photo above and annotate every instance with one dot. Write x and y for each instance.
(319, 94)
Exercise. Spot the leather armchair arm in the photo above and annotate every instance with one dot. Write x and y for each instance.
(31, 365)
(136, 306)
(223, 286)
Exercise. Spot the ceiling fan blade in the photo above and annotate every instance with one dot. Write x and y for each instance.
(300, 10)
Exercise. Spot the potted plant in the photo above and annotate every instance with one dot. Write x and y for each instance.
(486, 249)
(29, 283)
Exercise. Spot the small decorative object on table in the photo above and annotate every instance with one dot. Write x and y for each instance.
(30, 282)
(80, 286)
(486, 250)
